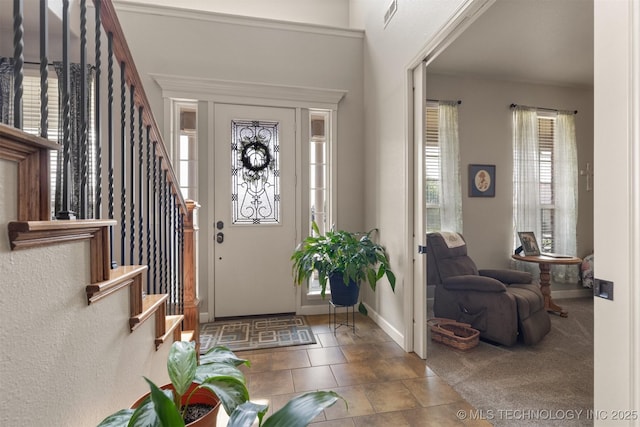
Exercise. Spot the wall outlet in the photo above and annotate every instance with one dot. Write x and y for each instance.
(603, 289)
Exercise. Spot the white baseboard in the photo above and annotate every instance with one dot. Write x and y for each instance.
(395, 334)
(204, 317)
(312, 310)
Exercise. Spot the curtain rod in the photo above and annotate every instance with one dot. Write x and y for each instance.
(539, 108)
(438, 100)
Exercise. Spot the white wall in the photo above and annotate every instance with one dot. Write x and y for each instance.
(212, 46)
(485, 131)
(617, 210)
(388, 54)
(62, 362)
(325, 12)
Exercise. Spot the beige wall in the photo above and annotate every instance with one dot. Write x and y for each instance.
(389, 53)
(485, 132)
(64, 363)
(249, 50)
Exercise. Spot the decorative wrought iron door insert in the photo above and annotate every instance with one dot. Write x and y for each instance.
(255, 173)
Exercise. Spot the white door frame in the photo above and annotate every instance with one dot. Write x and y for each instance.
(215, 91)
(415, 302)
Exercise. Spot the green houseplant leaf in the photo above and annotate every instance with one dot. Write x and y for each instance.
(245, 414)
(217, 372)
(301, 410)
(181, 365)
(354, 255)
(119, 419)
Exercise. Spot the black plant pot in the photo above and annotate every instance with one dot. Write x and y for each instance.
(341, 293)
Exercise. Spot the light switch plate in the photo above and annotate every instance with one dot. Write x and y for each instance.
(603, 289)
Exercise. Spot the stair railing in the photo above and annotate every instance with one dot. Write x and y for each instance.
(108, 138)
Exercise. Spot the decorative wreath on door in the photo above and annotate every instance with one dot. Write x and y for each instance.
(255, 157)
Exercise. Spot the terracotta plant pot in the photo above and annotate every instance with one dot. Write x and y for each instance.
(202, 396)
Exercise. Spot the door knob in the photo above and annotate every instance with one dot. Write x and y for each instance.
(220, 237)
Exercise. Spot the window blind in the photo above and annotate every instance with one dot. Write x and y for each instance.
(546, 127)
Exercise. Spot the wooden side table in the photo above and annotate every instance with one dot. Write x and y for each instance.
(545, 262)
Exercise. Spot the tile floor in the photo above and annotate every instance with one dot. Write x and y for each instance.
(383, 385)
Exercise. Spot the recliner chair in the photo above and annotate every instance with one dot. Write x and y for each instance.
(504, 305)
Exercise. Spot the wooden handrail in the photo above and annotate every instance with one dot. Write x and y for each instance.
(111, 24)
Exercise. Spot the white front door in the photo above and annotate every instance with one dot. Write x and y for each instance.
(254, 210)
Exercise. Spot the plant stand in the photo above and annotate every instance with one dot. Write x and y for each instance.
(334, 320)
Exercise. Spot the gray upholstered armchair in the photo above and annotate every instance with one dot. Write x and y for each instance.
(503, 305)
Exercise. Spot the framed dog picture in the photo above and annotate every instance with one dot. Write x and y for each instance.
(529, 243)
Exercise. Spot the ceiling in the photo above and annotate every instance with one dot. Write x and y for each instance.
(541, 41)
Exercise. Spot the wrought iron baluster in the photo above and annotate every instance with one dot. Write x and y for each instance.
(132, 187)
(165, 183)
(176, 255)
(66, 212)
(181, 274)
(155, 216)
(18, 61)
(140, 188)
(82, 191)
(98, 116)
(172, 252)
(161, 219)
(123, 162)
(111, 142)
(148, 221)
(44, 69)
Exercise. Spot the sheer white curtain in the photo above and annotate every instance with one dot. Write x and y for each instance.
(451, 193)
(526, 176)
(565, 179)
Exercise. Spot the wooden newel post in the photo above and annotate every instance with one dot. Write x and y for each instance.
(190, 273)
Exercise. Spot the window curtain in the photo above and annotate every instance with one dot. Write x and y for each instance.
(526, 189)
(6, 91)
(565, 181)
(75, 124)
(451, 193)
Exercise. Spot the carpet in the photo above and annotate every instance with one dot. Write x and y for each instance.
(252, 333)
(547, 384)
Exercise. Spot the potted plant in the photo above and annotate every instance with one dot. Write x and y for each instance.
(215, 380)
(345, 259)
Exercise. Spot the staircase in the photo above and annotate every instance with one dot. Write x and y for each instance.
(131, 243)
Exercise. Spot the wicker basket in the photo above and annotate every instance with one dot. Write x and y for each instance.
(460, 336)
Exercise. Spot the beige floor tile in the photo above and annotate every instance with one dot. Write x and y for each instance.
(344, 422)
(290, 360)
(354, 373)
(326, 356)
(360, 352)
(383, 385)
(313, 378)
(389, 349)
(357, 404)
(264, 384)
(435, 416)
(260, 362)
(390, 396)
(327, 340)
(432, 391)
(389, 419)
(399, 368)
